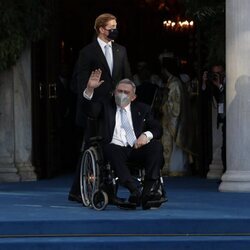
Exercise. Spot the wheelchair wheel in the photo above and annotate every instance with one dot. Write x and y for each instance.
(89, 175)
(99, 200)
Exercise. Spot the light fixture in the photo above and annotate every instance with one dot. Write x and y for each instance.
(178, 25)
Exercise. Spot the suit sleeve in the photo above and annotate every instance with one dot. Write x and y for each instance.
(154, 127)
(83, 70)
(127, 69)
(151, 124)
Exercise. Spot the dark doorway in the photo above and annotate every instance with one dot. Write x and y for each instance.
(56, 139)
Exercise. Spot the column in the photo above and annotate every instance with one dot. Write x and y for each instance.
(16, 122)
(22, 117)
(8, 170)
(237, 176)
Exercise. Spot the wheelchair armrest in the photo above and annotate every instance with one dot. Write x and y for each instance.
(95, 139)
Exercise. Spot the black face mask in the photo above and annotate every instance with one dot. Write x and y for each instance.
(113, 33)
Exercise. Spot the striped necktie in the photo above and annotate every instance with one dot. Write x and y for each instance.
(130, 136)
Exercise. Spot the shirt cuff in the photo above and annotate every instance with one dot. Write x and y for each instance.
(86, 96)
(149, 135)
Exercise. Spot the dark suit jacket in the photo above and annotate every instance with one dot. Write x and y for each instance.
(90, 58)
(142, 119)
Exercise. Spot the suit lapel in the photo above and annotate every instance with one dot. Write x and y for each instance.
(136, 118)
(100, 55)
(116, 59)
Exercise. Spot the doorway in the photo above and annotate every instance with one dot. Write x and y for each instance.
(56, 139)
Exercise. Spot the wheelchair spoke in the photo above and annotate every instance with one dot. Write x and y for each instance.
(89, 175)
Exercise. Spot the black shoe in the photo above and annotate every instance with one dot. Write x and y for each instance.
(153, 195)
(135, 197)
(148, 204)
(121, 203)
(153, 200)
(116, 201)
(74, 197)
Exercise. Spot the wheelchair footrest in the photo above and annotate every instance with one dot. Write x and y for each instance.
(154, 203)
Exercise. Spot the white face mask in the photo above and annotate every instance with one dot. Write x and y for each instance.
(122, 100)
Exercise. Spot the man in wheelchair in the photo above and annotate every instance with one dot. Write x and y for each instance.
(130, 134)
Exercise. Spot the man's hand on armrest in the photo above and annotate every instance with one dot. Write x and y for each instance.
(143, 139)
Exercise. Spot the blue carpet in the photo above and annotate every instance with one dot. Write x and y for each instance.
(125, 243)
(195, 215)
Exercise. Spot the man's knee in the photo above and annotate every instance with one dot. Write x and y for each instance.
(154, 150)
(155, 146)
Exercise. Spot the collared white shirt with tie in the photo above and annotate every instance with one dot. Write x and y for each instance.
(119, 135)
(108, 57)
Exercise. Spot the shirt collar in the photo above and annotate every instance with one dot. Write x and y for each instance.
(103, 44)
(127, 108)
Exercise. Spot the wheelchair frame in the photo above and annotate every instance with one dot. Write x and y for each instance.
(95, 175)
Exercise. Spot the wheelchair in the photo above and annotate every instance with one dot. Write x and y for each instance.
(98, 181)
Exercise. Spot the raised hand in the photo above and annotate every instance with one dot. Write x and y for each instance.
(94, 81)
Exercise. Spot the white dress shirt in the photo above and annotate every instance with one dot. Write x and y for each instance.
(119, 135)
(103, 44)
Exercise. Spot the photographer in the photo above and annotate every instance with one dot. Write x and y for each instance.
(214, 80)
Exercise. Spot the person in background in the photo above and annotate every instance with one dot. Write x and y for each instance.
(214, 84)
(177, 133)
(148, 87)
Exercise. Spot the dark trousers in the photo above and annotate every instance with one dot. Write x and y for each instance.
(148, 157)
(75, 187)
